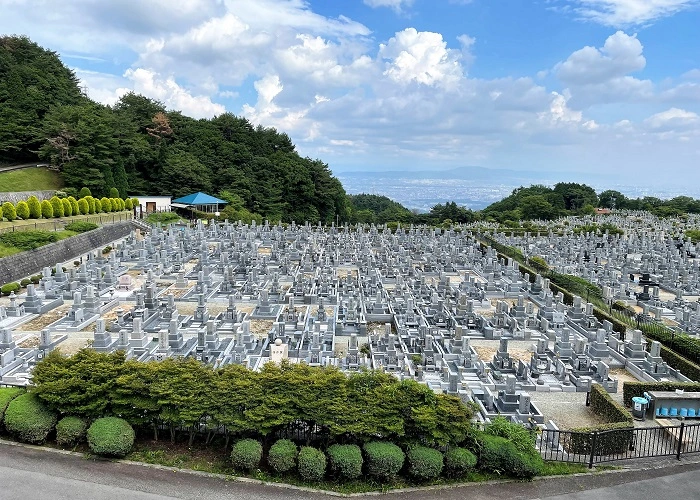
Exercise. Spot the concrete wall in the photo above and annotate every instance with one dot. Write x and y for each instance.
(23, 264)
(15, 196)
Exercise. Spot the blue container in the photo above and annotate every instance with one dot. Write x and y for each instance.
(639, 408)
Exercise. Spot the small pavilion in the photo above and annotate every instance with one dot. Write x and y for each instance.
(201, 202)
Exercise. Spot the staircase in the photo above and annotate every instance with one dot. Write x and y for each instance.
(141, 224)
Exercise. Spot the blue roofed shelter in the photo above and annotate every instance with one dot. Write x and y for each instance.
(202, 202)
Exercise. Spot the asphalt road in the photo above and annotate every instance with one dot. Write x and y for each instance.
(41, 475)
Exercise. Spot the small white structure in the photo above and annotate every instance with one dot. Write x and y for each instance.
(279, 351)
(150, 204)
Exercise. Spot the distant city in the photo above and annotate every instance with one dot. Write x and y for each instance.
(417, 191)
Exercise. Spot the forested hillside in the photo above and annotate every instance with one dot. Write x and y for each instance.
(140, 148)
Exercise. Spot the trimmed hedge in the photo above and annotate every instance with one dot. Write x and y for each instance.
(28, 419)
(500, 456)
(70, 430)
(459, 462)
(606, 407)
(311, 464)
(8, 288)
(110, 436)
(424, 463)
(246, 454)
(282, 456)
(383, 460)
(635, 389)
(345, 460)
(685, 366)
(81, 226)
(7, 394)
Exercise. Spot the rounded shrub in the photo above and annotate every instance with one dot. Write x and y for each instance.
(127, 204)
(91, 204)
(75, 209)
(22, 210)
(84, 192)
(46, 209)
(57, 206)
(282, 456)
(24, 282)
(424, 463)
(113, 192)
(525, 464)
(98, 206)
(36, 279)
(311, 464)
(28, 419)
(70, 431)
(521, 438)
(67, 207)
(345, 460)
(111, 436)
(384, 460)
(459, 462)
(8, 211)
(246, 454)
(495, 453)
(83, 207)
(8, 288)
(7, 394)
(34, 207)
(106, 204)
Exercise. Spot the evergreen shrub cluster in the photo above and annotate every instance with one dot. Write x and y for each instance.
(28, 419)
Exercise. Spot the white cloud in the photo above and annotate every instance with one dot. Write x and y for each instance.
(621, 54)
(673, 119)
(629, 12)
(397, 5)
(421, 57)
(167, 90)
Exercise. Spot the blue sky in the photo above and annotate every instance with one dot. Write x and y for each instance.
(595, 86)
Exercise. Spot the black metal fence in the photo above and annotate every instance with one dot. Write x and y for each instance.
(620, 444)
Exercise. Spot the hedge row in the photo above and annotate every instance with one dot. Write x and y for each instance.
(56, 207)
(637, 389)
(380, 460)
(614, 436)
(685, 366)
(7, 394)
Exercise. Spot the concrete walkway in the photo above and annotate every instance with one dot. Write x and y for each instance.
(29, 472)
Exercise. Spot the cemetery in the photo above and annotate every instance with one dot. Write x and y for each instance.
(432, 305)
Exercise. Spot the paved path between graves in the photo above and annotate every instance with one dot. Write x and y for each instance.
(34, 473)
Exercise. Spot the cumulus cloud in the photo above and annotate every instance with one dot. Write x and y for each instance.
(421, 57)
(397, 5)
(621, 54)
(629, 12)
(673, 119)
(167, 90)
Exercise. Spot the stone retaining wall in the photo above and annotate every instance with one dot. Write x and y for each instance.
(23, 264)
(15, 196)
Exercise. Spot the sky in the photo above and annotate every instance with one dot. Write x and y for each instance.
(593, 86)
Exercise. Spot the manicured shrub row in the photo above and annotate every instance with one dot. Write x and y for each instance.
(382, 460)
(28, 419)
(607, 408)
(685, 366)
(111, 436)
(57, 207)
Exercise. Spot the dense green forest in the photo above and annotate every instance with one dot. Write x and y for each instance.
(140, 148)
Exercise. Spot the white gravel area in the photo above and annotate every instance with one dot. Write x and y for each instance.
(567, 409)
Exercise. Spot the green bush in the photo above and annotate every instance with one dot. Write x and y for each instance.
(91, 204)
(311, 464)
(127, 204)
(67, 207)
(459, 462)
(7, 394)
(384, 460)
(110, 436)
(57, 206)
(424, 463)
(607, 408)
(246, 454)
(113, 192)
(75, 208)
(345, 461)
(495, 453)
(8, 288)
(22, 210)
(98, 206)
(162, 217)
(106, 250)
(28, 419)
(70, 431)
(523, 439)
(81, 226)
(36, 279)
(46, 209)
(282, 456)
(84, 192)
(27, 240)
(525, 465)
(34, 207)
(24, 282)
(8, 211)
(106, 204)
(83, 207)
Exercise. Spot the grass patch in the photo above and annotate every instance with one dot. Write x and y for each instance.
(30, 179)
(6, 251)
(563, 469)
